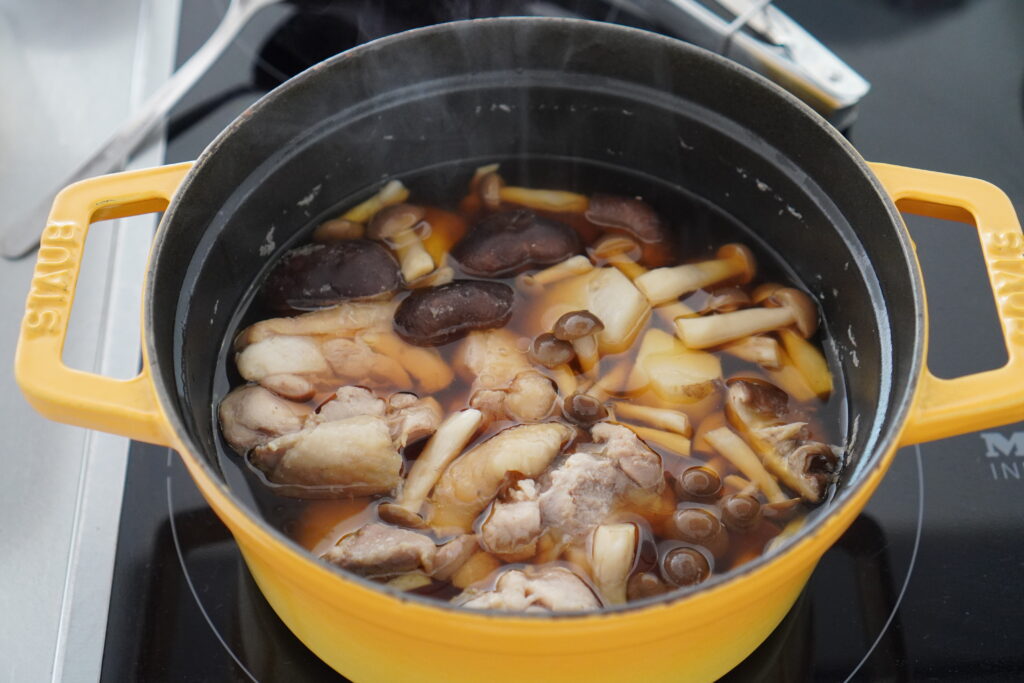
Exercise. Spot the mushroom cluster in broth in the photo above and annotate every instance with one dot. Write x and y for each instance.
(532, 401)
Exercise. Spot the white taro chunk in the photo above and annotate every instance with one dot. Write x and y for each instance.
(546, 588)
(353, 456)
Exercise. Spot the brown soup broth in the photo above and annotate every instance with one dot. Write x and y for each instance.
(702, 228)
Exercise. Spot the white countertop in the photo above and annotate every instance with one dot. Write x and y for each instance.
(72, 71)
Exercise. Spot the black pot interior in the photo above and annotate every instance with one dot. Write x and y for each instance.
(571, 104)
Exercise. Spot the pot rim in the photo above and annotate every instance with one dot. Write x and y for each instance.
(886, 442)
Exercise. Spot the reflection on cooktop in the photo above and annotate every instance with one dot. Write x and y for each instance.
(924, 585)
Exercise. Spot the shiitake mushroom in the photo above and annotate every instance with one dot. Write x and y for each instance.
(509, 242)
(322, 275)
(437, 315)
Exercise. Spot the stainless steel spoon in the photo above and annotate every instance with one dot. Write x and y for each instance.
(21, 230)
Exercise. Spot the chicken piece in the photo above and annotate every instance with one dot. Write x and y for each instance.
(504, 382)
(348, 402)
(633, 456)
(355, 361)
(353, 456)
(513, 526)
(592, 484)
(530, 397)
(452, 555)
(548, 588)
(285, 365)
(411, 419)
(470, 482)
(581, 493)
(381, 551)
(341, 321)
(251, 416)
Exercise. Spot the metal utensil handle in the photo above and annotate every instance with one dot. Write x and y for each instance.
(21, 231)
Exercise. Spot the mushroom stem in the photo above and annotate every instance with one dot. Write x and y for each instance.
(441, 276)
(758, 349)
(447, 442)
(586, 352)
(672, 420)
(664, 284)
(338, 229)
(413, 256)
(676, 443)
(740, 484)
(392, 193)
(809, 361)
(612, 553)
(545, 200)
(712, 330)
(577, 265)
(736, 451)
(565, 379)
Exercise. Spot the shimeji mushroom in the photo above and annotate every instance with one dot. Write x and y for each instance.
(558, 201)
(338, 229)
(784, 308)
(757, 348)
(580, 328)
(574, 265)
(394, 192)
(733, 448)
(759, 411)
(473, 480)
(734, 262)
(612, 555)
(447, 442)
(396, 226)
(809, 361)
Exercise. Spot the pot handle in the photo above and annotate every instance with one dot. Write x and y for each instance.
(947, 407)
(127, 407)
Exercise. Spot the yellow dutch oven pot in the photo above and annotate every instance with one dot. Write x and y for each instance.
(557, 102)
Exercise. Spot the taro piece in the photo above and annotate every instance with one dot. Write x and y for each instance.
(438, 315)
(510, 242)
(322, 275)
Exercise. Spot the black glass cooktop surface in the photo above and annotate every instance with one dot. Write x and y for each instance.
(926, 584)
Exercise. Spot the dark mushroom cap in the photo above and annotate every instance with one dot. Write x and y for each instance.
(685, 567)
(322, 275)
(695, 525)
(437, 315)
(726, 300)
(393, 220)
(645, 585)
(583, 409)
(632, 215)
(636, 218)
(698, 482)
(509, 242)
(576, 324)
(743, 256)
(550, 351)
(805, 312)
(741, 512)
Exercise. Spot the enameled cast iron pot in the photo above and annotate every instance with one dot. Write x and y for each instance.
(562, 94)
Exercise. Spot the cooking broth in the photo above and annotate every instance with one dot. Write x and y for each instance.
(664, 558)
